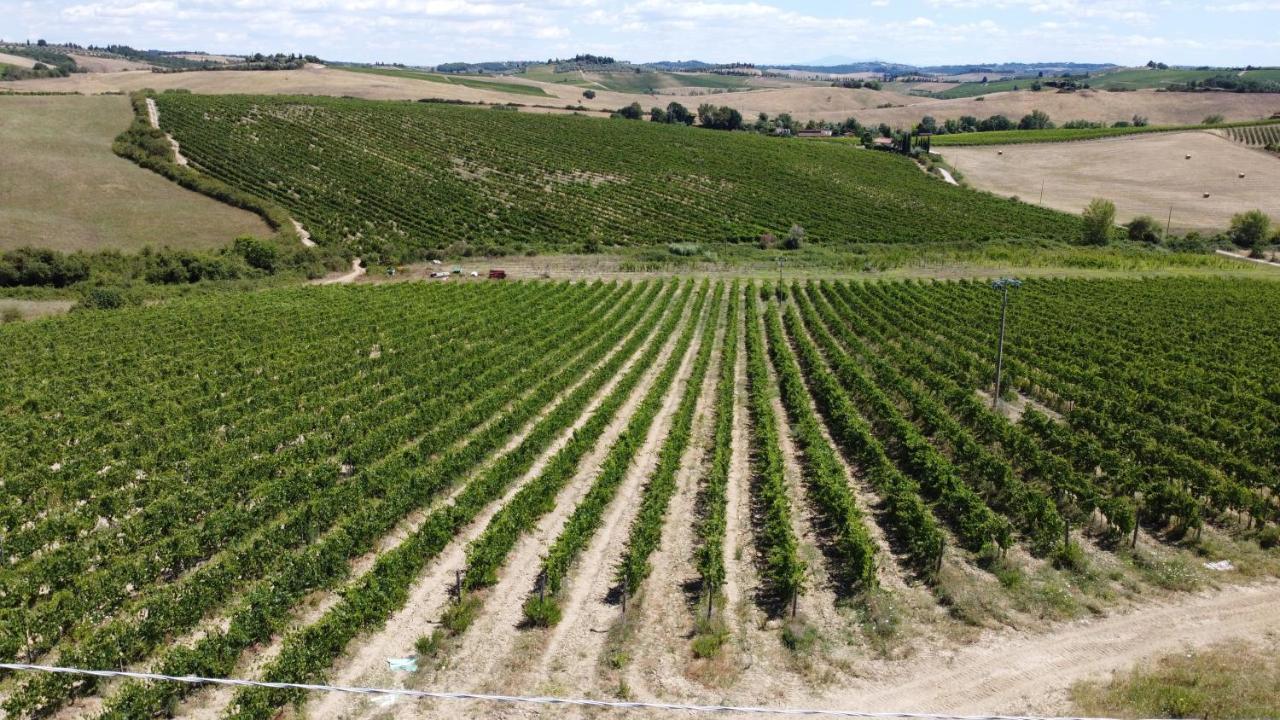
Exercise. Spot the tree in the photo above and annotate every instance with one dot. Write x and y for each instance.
(658, 115)
(928, 124)
(1140, 121)
(785, 120)
(719, 118)
(631, 112)
(996, 122)
(589, 94)
(795, 238)
(1099, 218)
(677, 113)
(1037, 120)
(1143, 228)
(1250, 229)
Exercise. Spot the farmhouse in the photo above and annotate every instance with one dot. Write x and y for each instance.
(814, 133)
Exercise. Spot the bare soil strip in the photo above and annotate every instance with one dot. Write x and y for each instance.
(493, 643)
(661, 641)
(573, 650)
(818, 599)
(431, 592)
(889, 572)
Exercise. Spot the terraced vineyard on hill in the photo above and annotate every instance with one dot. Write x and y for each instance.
(246, 485)
(398, 181)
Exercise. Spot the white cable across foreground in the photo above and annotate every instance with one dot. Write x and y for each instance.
(538, 700)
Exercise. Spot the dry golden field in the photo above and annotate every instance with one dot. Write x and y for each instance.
(1142, 174)
(61, 187)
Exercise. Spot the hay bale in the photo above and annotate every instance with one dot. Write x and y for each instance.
(1206, 194)
(1188, 156)
(1241, 176)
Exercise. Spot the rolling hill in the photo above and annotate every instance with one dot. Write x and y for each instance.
(63, 189)
(403, 181)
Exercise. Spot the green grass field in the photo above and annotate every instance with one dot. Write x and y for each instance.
(1015, 137)
(62, 187)
(405, 180)
(470, 81)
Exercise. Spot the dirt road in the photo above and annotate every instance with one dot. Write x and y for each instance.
(356, 271)
(1031, 674)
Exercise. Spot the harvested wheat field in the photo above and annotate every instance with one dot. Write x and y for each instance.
(1161, 108)
(61, 187)
(96, 64)
(16, 60)
(1142, 175)
(318, 80)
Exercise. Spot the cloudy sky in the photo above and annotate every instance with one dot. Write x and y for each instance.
(1230, 32)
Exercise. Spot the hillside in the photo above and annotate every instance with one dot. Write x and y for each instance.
(295, 485)
(402, 180)
(64, 189)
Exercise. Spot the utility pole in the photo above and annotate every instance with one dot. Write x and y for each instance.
(1003, 285)
(1167, 224)
(1041, 191)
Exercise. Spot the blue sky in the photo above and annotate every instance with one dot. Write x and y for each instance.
(1220, 32)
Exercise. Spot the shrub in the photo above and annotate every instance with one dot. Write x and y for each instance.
(10, 315)
(1143, 228)
(1212, 120)
(32, 266)
(542, 612)
(589, 94)
(767, 241)
(103, 298)
(795, 238)
(258, 253)
(1099, 218)
(1249, 229)
(798, 635)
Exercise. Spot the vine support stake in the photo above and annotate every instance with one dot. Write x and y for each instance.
(1003, 285)
(542, 586)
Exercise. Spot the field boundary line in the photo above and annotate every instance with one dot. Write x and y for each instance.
(522, 699)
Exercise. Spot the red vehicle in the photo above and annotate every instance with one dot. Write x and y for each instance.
(497, 274)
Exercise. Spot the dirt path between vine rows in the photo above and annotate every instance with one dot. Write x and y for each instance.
(432, 591)
(153, 116)
(493, 648)
(664, 622)
(573, 650)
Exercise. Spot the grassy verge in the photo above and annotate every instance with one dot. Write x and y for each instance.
(1016, 137)
(1231, 680)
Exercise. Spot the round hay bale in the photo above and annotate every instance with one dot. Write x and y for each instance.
(1188, 156)
(1241, 176)
(1206, 194)
(999, 152)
